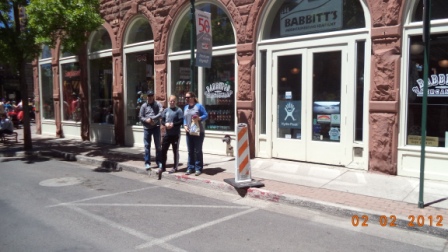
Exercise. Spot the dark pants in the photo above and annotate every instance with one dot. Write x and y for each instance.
(195, 155)
(168, 140)
(147, 135)
(5, 131)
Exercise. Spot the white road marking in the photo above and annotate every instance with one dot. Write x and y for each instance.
(125, 229)
(163, 240)
(103, 196)
(158, 205)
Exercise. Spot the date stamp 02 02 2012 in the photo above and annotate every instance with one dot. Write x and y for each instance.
(414, 220)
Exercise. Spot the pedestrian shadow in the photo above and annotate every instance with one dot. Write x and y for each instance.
(435, 201)
(213, 171)
(108, 166)
(29, 159)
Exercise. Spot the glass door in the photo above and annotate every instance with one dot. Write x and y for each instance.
(310, 101)
(288, 127)
(327, 105)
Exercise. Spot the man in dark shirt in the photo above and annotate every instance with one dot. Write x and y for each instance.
(150, 114)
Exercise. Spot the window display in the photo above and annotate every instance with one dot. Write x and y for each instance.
(140, 78)
(71, 75)
(437, 109)
(219, 94)
(101, 90)
(181, 83)
(46, 75)
(327, 96)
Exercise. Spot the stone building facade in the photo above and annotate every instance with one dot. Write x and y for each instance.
(348, 78)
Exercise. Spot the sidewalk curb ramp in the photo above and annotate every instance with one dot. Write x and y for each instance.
(252, 192)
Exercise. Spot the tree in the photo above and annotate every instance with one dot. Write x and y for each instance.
(27, 25)
(16, 50)
(69, 21)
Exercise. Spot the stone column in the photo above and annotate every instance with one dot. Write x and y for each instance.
(118, 97)
(385, 85)
(245, 99)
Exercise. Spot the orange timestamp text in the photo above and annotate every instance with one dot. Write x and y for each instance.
(414, 220)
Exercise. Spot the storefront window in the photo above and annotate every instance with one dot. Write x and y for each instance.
(221, 28)
(439, 10)
(140, 78)
(101, 90)
(181, 80)
(263, 93)
(437, 109)
(359, 108)
(219, 92)
(139, 53)
(46, 80)
(70, 91)
(297, 17)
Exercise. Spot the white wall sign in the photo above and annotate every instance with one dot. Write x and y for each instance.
(437, 86)
(310, 16)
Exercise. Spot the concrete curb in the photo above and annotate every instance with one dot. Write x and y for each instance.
(256, 193)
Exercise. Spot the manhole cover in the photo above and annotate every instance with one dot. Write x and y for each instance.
(61, 181)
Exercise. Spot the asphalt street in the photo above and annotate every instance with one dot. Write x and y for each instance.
(51, 205)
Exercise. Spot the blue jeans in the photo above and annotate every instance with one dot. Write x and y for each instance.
(147, 134)
(195, 155)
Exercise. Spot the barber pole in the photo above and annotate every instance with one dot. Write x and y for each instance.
(242, 170)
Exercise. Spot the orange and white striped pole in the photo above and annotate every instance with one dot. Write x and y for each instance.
(242, 169)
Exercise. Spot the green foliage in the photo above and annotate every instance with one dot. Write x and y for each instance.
(68, 20)
(15, 37)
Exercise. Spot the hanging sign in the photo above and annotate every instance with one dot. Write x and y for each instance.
(203, 39)
(310, 16)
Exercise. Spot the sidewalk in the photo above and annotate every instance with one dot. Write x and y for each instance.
(334, 190)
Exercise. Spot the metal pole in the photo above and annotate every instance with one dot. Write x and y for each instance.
(426, 41)
(192, 47)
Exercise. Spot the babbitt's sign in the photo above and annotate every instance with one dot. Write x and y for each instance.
(310, 16)
(218, 90)
(437, 86)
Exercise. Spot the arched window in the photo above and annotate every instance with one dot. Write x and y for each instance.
(216, 85)
(138, 31)
(46, 52)
(101, 77)
(100, 40)
(297, 17)
(139, 66)
(439, 10)
(46, 85)
(222, 29)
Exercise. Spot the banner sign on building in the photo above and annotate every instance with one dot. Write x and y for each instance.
(437, 86)
(289, 114)
(203, 39)
(310, 16)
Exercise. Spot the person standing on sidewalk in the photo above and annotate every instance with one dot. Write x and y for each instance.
(194, 111)
(150, 114)
(172, 119)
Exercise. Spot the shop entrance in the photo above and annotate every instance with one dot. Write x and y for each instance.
(310, 104)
